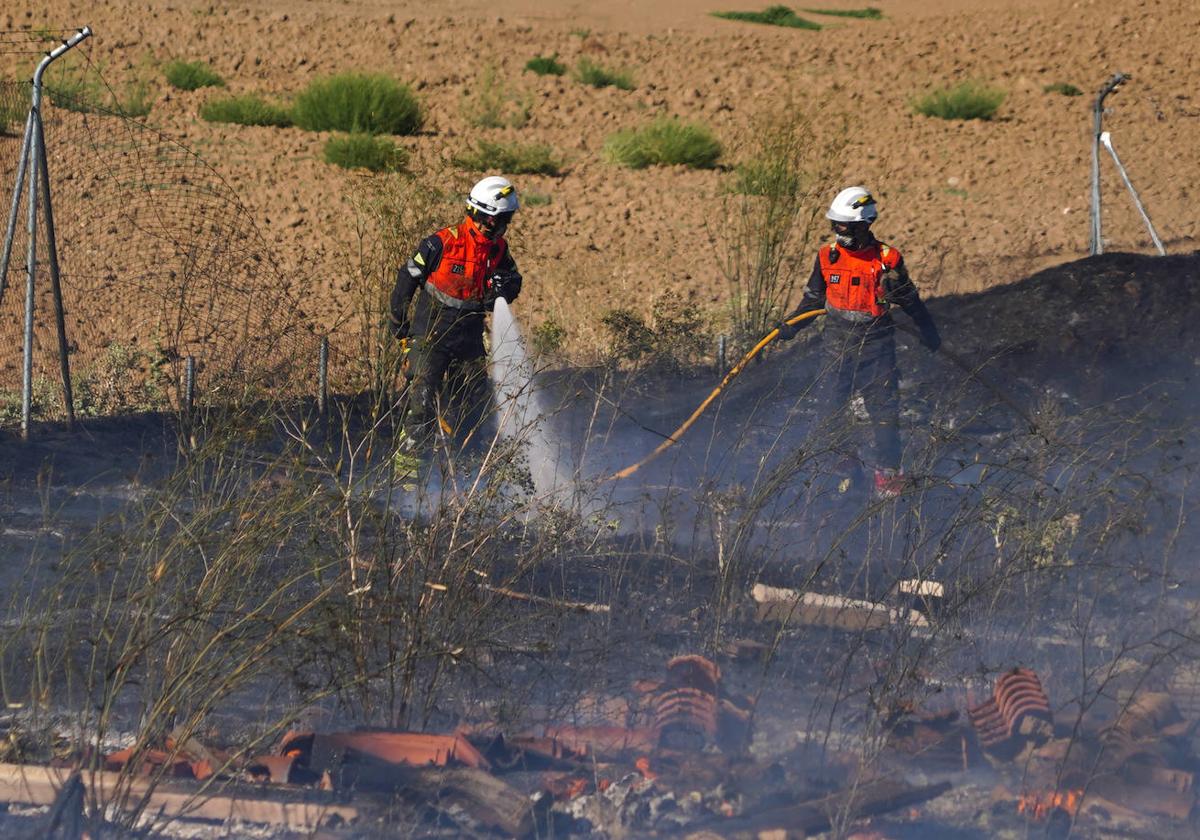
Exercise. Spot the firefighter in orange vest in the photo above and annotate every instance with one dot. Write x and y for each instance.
(463, 270)
(856, 280)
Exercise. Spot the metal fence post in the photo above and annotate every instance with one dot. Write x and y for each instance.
(1097, 243)
(323, 377)
(60, 317)
(189, 385)
(18, 191)
(30, 265)
(33, 156)
(1106, 141)
(721, 351)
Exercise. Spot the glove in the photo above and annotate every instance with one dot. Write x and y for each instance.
(895, 286)
(405, 359)
(504, 284)
(399, 331)
(788, 331)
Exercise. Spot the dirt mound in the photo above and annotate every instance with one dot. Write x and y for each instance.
(1107, 325)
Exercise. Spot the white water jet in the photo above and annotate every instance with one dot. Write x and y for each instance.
(522, 411)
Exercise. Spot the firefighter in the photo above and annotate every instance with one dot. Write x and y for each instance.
(463, 270)
(856, 279)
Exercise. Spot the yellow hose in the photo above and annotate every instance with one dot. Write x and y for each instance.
(729, 377)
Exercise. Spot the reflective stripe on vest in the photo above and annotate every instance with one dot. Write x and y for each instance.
(468, 260)
(852, 280)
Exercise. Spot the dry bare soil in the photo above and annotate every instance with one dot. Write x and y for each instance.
(971, 204)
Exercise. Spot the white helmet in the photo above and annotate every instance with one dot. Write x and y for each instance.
(493, 195)
(853, 204)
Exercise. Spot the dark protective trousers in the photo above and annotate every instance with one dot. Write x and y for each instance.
(446, 363)
(439, 377)
(861, 360)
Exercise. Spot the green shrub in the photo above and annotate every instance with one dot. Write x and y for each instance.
(78, 94)
(869, 13)
(191, 75)
(88, 95)
(664, 142)
(1063, 88)
(966, 101)
(357, 103)
(546, 65)
(548, 337)
(517, 159)
(365, 151)
(591, 73)
(245, 110)
(125, 379)
(138, 99)
(45, 401)
(630, 338)
(675, 337)
(13, 111)
(766, 177)
(772, 215)
(772, 16)
(490, 104)
(535, 199)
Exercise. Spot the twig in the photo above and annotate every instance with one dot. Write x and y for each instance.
(580, 606)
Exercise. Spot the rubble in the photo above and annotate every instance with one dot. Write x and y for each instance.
(1017, 715)
(1128, 767)
(817, 815)
(673, 760)
(812, 608)
(36, 785)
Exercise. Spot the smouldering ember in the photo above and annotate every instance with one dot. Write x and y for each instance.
(1039, 806)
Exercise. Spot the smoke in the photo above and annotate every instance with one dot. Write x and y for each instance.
(522, 410)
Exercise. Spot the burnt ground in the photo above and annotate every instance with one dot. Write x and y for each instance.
(1051, 493)
(1095, 356)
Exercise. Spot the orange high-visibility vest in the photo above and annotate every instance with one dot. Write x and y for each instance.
(852, 278)
(468, 259)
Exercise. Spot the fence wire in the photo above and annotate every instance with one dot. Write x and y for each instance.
(159, 261)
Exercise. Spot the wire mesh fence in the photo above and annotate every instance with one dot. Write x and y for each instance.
(160, 261)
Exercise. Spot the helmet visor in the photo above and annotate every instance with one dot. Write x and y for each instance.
(851, 234)
(494, 225)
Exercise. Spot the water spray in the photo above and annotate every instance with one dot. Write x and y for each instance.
(521, 407)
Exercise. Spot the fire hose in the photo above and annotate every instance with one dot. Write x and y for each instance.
(971, 371)
(729, 377)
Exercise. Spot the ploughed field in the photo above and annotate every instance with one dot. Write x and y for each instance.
(970, 203)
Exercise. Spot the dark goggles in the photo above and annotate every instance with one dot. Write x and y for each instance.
(500, 220)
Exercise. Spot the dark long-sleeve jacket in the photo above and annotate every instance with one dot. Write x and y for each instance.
(429, 318)
(903, 293)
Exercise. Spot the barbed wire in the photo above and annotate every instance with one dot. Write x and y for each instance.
(12, 40)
